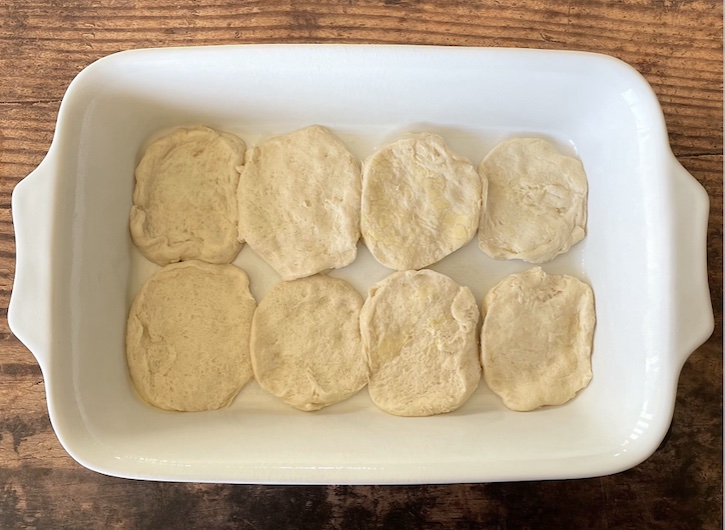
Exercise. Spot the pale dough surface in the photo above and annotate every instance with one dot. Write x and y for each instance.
(419, 335)
(536, 207)
(184, 200)
(536, 340)
(306, 346)
(420, 202)
(299, 202)
(187, 339)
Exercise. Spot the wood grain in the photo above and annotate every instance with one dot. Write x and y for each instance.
(676, 44)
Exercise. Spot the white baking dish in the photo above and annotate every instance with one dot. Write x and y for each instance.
(644, 255)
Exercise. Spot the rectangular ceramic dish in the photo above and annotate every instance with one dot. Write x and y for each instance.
(644, 256)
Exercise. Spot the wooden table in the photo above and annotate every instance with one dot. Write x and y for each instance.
(676, 44)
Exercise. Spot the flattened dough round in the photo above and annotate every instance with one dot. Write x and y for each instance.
(306, 346)
(536, 340)
(536, 207)
(299, 202)
(420, 202)
(184, 200)
(419, 335)
(187, 339)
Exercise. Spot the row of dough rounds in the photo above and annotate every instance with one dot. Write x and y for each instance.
(196, 336)
(302, 201)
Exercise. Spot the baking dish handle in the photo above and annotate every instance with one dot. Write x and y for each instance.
(29, 309)
(693, 309)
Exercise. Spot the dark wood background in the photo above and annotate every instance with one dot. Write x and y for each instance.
(676, 44)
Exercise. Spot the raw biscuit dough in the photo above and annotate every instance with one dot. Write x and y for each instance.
(537, 201)
(187, 339)
(536, 340)
(184, 200)
(306, 346)
(419, 335)
(299, 202)
(420, 202)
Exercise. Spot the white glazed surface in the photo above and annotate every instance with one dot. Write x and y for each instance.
(644, 255)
